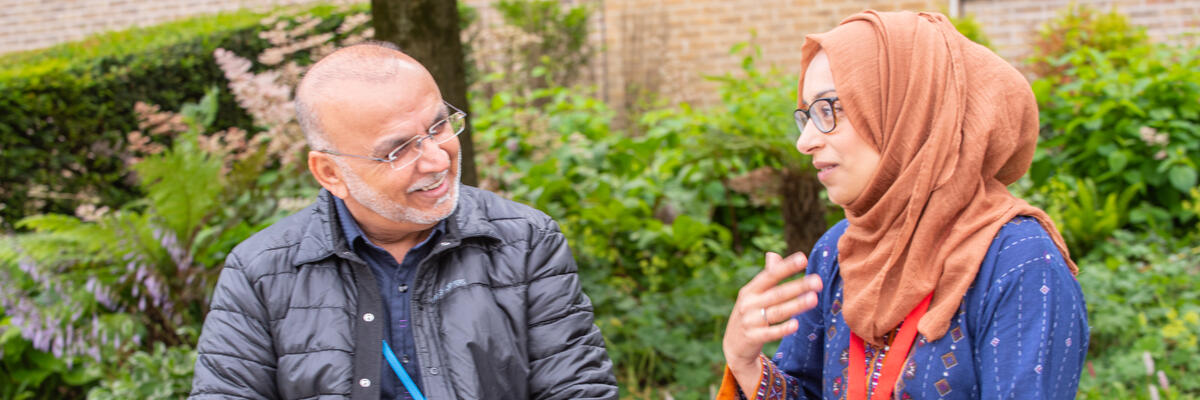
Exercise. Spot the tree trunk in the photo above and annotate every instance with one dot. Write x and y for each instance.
(428, 31)
(803, 210)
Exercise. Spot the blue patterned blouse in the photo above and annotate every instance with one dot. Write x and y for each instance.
(1020, 333)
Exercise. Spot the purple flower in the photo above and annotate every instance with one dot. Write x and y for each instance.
(41, 338)
(104, 297)
(56, 347)
(154, 288)
(179, 255)
(30, 268)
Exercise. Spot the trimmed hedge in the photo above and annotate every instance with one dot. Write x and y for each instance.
(67, 109)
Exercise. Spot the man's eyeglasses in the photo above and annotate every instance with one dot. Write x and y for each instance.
(826, 115)
(410, 151)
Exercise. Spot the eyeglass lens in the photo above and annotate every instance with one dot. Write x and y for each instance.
(822, 113)
(439, 133)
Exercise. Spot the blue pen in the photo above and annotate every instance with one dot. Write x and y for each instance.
(400, 372)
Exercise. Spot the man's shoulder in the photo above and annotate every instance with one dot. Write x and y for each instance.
(482, 206)
(277, 245)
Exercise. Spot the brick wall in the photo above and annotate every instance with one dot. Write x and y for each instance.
(1012, 25)
(668, 46)
(31, 24)
(663, 46)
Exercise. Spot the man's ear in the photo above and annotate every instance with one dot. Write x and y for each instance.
(327, 173)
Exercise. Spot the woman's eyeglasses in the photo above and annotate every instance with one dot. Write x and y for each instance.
(825, 118)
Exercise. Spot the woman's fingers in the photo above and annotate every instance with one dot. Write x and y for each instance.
(796, 305)
(789, 291)
(774, 313)
(753, 309)
(776, 270)
(764, 301)
(771, 333)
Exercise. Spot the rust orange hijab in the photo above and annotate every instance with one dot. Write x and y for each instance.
(954, 125)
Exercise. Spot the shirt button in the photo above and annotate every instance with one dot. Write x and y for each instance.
(403, 288)
(364, 382)
(404, 359)
(433, 370)
(368, 317)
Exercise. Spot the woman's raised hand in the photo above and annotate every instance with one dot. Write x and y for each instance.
(763, 313)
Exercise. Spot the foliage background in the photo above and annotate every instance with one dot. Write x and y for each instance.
(119, 213)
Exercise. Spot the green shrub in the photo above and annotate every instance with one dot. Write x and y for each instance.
(1125, 116)
(1080, 27)
(161, 374)
(638, 213)
(98, 288)
(969, 27)
(101, 287)
(28, 373)
(754, 135)
(1143, 295)
(662, 241)
(67, 109)
(1084, 216)
(540, 44)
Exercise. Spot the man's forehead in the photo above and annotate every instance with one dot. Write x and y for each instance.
(365, 60)
(374, 110)
(365, 65)
(398, 91)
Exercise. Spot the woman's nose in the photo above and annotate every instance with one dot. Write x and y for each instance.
(809, 140)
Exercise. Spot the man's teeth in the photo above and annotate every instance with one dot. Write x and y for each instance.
(435, 184)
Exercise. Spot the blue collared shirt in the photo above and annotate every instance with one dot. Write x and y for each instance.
(395, 280)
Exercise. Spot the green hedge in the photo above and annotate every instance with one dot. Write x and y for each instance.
(1120, 129)
(67, 109)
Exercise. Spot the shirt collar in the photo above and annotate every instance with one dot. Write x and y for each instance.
(353, 232)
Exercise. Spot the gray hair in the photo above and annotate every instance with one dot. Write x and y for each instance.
(371, 62)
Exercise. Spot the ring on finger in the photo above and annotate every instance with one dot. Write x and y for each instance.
(763, 312)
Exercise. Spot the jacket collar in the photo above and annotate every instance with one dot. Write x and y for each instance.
(323, 236)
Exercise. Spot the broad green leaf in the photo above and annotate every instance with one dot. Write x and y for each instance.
(1117, 161)
(1182, 178)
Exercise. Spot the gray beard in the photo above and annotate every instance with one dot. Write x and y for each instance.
(380, 204)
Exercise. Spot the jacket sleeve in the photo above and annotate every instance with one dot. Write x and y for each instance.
(567, 358)
(235, 357)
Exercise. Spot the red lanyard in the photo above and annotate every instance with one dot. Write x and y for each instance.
(893, 361)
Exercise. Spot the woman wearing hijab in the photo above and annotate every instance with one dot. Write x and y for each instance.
(939, 283)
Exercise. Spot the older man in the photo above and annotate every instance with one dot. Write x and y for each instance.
(398, 282)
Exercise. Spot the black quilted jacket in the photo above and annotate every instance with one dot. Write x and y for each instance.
(497, 313)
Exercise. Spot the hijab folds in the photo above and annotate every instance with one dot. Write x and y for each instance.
(954, 125)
